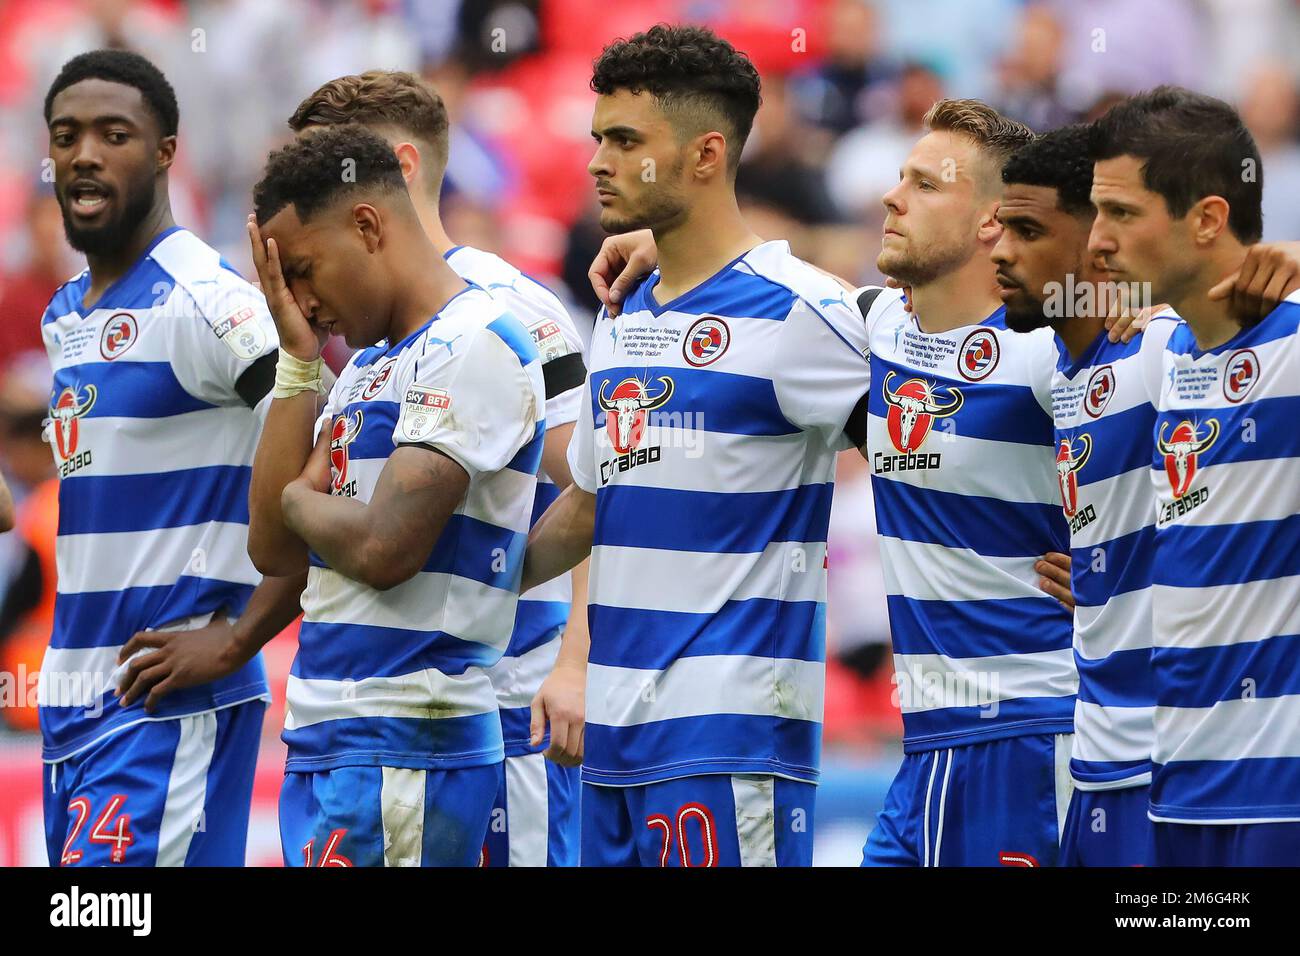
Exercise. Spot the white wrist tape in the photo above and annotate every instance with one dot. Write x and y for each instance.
(294, 376)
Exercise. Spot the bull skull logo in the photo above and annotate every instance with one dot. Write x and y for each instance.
(346, 429)
(65, 413)
(1185, 444)
(913, 407)
(626, 409)
(1068, 464)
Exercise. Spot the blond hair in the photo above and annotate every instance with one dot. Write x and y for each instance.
(379, 98)
(996, 136)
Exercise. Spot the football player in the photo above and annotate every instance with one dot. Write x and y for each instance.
(1103, 396)
(540, 678)
(1176, 184)
(161, 354)
(703, 462)
(963, 463)
(408, 498)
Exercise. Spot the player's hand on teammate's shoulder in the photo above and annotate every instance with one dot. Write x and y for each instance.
(1124, 323)
(622, 260)
(175, 660)
(1270, 273)
(561, 703)
(299, 335)
(1054, 577)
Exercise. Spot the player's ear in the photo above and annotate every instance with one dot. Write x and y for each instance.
(1208, 219)
(408, 156)
(990, 229)
(166, 152)
(711, 150)
(369, 224)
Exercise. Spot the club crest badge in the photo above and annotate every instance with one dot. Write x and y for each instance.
(1240, 375)
(979, 355)
(1101, 386)
(120, 333)
(379, 380)
(705, 341)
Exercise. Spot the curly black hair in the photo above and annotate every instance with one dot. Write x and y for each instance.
(1057, 159)
(694, 74)
(127, 68)
(316, 169)
(1192, 146)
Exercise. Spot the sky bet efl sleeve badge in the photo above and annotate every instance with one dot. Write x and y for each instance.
(422, 411)
(241, 333)
(549, 340)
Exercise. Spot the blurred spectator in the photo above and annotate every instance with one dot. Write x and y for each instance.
(476, 165)
(1030, 74)
(585, 237)
(1243, 34)
(777, 167)
(961, 39)
(833, 94)
(48, 262)
(1119, 45)
(27, 567)
(864, 164)
(27, 602)
(1270, 109)
(231, 115)
(25, 458)
(492, 33)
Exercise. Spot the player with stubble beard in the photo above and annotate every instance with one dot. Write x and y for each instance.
(962, 454)
(1104, 393)
(703, 464)
(161, 355)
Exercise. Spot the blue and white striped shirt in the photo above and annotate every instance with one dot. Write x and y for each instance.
(1105, 413)
(543, 610)
(399, 678)
(962, 459)
(708, 435)
(154, 449)
(1226, 592)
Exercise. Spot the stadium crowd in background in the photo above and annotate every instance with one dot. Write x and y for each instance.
(846, 84)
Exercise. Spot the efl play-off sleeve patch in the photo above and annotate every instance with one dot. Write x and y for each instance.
(549, 339)
(422, 411)
(242, 333)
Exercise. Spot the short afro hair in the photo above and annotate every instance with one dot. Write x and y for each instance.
(1191, 146)
(127, 68)
(1058, 160)
(696, 76)
(317, 169)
